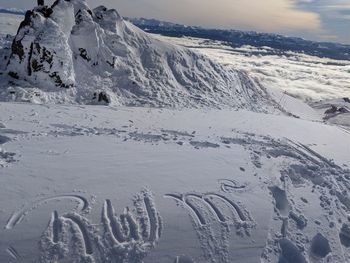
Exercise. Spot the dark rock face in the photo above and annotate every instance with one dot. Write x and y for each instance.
(27, 20)
(336, 110)
(46, 11)
(333, 109)
(13, 75)
(101, 98)
(18, 49)
(84, 54)
(34, 50)
(41, 54)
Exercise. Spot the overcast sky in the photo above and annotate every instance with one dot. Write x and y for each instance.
(327, 20)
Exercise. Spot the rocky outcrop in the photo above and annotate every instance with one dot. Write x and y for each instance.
(70, 53)
(41, 52)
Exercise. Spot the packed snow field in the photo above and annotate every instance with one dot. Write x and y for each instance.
(190, 175)
(215, 186)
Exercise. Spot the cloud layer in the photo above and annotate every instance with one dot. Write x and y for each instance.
(311, 19)
(268, 15)
(303, 76)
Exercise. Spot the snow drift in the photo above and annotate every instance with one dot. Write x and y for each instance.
(68, 53)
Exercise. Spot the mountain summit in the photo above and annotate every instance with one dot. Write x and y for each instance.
(68, 53)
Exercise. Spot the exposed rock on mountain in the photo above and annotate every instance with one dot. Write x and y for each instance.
(69, 53)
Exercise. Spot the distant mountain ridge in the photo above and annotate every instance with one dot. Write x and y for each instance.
(237, 38)
(15, 11)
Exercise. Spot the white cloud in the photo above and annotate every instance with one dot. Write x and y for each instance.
(303, 76)
(268, 15)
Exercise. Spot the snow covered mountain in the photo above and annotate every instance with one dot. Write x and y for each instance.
(70, 53)
(279, 44)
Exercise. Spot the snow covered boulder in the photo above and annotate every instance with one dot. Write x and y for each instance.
(41, 53)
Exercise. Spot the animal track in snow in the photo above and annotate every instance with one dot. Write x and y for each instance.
(204, 144)
(178, 137)
(147, 137)
(18, 216)
(178, 133)
(67, 130)
(125, 238)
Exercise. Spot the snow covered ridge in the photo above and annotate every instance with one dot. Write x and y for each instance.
(279, 44)
(68, 53)
(15, 11)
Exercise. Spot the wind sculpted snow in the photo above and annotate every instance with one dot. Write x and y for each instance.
(71, 53)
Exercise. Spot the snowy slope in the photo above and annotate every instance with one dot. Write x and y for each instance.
(69, 53)
(229, 186)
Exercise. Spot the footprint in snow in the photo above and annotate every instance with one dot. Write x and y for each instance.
(320, 247)
(183, 259)
(4, 139)
(344, 235)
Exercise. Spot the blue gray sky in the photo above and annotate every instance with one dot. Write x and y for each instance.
(326, 20)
